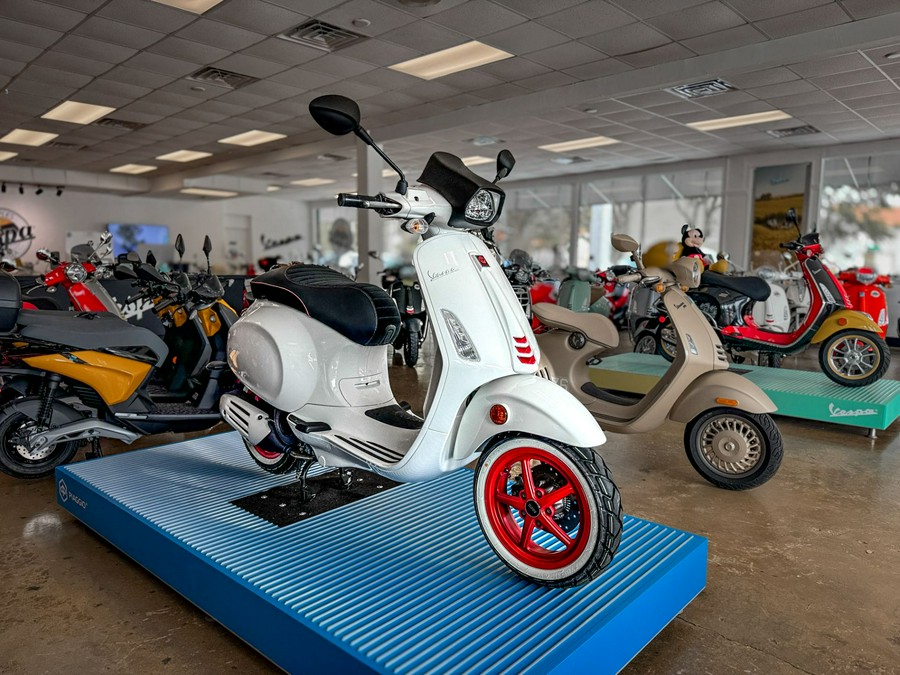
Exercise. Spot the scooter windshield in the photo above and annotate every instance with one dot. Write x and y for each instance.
(456, 183)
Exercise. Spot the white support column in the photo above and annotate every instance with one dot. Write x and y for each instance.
(369, 226)
(737, 202)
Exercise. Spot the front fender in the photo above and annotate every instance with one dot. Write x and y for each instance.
(842, 319)
(703, 392)
(537, 407)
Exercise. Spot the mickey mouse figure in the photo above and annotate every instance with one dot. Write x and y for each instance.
(691, 240)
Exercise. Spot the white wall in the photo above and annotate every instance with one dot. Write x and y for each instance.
(51, 217)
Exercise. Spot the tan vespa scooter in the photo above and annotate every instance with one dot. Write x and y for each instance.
(730, 438)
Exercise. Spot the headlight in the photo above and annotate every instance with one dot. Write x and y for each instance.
(696, 272)
(865, 276)
(482, 207)
(461, 340)
(76, 273)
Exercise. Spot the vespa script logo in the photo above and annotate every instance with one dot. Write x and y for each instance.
(66, 495)
(15, 234)
(442, 273)
(834, 411)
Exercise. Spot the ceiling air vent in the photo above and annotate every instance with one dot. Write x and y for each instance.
(793, 131)
(113, 123)
(320, 35)
(701, 89)
(222, 78)
(59, 145)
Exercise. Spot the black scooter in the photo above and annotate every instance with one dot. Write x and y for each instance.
(402, 284)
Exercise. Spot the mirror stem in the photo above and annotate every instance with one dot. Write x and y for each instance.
(364, 136)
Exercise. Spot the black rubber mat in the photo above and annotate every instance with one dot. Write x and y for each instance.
(284, 504)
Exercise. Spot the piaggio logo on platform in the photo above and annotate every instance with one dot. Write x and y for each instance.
(66, 495)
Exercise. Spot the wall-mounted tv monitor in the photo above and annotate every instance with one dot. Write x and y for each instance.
(129, 237)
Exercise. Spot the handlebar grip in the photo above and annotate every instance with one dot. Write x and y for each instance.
(366, 202)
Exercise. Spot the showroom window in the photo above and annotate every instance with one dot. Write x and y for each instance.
(859, 211)
(537, 220)
(335, 239)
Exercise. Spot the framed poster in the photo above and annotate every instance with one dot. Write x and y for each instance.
(775, 190)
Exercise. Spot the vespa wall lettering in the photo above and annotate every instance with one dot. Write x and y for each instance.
(15, 235)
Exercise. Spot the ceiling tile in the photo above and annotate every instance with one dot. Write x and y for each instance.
(284, 51)
(117, 33)
(170, 98)
(303, 79)
(309, 7)
(587, 19)
(70, 63)
(804, 22)
(634, 37)
(807, 98)
(93, 49)
(382, 18)
(273, 90)
(565, 56)
(259, 17)
(892, 71)
(57, 90)
(863, 90)
(54, 76)
(536, 8)
(355, 89)
(152, 15)
(28, 34)
(596, 69)
(220, 35)
(862, 9)
(338, 66)
(873, 101)
(725, 39)
(828, 66)
(141, 78)
(15, 51)
(470, 80)
(161, 64)
(525, 38)
(760, 78)
(86, 6)
(427, 38)
(698, 20)
(40, 14)
(549, 80)
(188, 50)
(514, 69)
(782, 89)
(387, 80)
(646, 9)
(649, 99)
(678, 107)
(670, 52)
(10, 68)
(477, 17)
(250, 65)
(111, 87)
(756, 10)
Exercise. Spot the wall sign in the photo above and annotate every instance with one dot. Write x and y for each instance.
(15, 235)
(775, 190)
(275, 243)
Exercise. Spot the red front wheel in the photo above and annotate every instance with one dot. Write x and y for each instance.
(551, 513)
(273, 462)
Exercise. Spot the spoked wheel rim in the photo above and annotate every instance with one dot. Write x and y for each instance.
(854, 357)
(646, 345)
(668, 340)
(545, 529)
(730, 445)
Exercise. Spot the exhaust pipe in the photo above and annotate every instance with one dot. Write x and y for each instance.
(78, 430)
(259, 423)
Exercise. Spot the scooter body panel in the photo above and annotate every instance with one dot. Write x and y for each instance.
(842, 319)
(702, 394)
(114, 378)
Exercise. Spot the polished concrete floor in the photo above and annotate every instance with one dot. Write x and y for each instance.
(803, 577)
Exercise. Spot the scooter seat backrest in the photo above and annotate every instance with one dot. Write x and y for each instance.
(10, 302)
(363, 313)
(753, 287)
(595, 327)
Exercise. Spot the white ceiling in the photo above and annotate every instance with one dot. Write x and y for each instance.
(822, 61)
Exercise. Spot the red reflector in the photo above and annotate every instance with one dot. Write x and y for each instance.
(662, 319)
(523, 350)
(498, 414)
(521, 340)
(482, 260)
(527, 359)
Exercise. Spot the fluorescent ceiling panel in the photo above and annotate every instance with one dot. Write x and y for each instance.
(26, 137)
(312, 182)
(475, 160)
(580, 144)
(254, 137)
(205, 192)
(133, 168)
(194, 6)
(7, 155)
(739, 120)
(77, 113)
(452, 60)
(184, 156)
(273, 188)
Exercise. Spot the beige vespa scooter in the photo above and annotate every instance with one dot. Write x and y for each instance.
(730, 438)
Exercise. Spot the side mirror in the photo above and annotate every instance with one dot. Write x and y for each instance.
(721, 255)
(179, 245)
(791, 215)
(124, 272)
(43, 254)
(338, 115)
(505, 164)
(207, 247)
(624, 243)
(151, 259)
(105, 238)
(133, 257)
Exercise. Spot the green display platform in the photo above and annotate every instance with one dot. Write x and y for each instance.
(797, 393)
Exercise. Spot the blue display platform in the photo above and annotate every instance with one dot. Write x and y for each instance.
(797, 393)
(400, 582)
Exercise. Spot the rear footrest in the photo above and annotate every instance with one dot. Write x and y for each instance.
(307, 427)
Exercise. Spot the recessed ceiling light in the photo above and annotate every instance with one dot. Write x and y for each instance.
(484, 140)
(312, 182)
(580, 144)
(77, 113)
(475, 160)
(7, 155)
(133, 168)
(206, 192)
(195, 6)
(254, 137)
(273, 188)
(452, 60)
(26, 137)
(739, 120)
(892, 55)
(184, 156)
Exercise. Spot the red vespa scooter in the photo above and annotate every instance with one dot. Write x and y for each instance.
(862, 286)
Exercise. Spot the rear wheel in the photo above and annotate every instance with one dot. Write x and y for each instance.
(854, 358)
(273, 462)
(734, 449)
(667, 345)
(411, 348)
(645, 343)
(17, 423)
(770, 359)
(550, 513)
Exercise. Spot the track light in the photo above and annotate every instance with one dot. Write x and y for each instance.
(59, 191)
(21, 189)
(3, 187)
(39, 190)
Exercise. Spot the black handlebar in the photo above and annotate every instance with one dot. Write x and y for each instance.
(366, 201)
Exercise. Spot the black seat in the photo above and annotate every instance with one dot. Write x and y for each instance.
(361, 312)
(89, 330)
(753, 287)
(10, 302)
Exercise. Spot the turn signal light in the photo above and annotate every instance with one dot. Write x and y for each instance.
(842, 321)
(660, 288)
(726, 401)
(499, 414)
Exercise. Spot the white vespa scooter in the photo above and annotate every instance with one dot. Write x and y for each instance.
(312, 354)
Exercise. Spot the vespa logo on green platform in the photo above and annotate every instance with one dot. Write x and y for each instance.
(834, 411)
(66, 495)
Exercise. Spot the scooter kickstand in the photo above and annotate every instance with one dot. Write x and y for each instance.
(305, 493)
(95, 450)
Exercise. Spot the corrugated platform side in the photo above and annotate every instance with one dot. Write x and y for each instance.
(401, 582)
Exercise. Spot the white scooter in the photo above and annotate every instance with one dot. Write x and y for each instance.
(312, 354)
